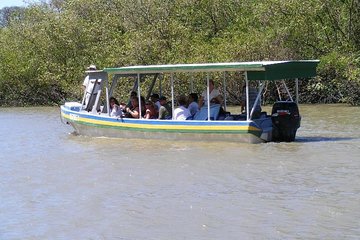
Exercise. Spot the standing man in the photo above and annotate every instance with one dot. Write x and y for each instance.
(90, 88)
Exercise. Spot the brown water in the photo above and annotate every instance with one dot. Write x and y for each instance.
(54, 185)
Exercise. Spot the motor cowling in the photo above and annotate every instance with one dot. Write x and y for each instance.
(286, 120)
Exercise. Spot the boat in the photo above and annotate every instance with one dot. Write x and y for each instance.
(94, 119)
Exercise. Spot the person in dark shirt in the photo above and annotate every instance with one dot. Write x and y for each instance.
(165, 111)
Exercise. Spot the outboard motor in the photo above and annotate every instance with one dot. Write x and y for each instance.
(286, 120)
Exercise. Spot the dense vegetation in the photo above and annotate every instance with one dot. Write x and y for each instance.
(46, 47)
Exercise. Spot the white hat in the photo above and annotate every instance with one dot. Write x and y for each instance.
(92, 67)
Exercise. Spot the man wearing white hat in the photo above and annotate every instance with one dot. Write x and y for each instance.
(90, 88)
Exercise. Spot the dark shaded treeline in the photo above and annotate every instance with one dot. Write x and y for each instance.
(46, 47)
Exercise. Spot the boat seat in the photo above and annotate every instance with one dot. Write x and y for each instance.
(239, 117)
(263, 115)
(202, 114)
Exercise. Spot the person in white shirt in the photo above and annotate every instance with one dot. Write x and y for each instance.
(115, 108)
(89, 86)
(181, 112)
(214, 95)
(193, 103)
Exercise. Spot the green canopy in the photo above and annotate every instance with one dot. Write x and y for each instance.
(264, 70)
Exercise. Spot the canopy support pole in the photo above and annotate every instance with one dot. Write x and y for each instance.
(278, 91)
(151, 87)
(224, 84)
(192, 83)
(247, 96)
(160, 81)
(114, 84)
(172, 96)
(107, 97)
(208, 94)
(297, 90)
(139, 95)
(287, 90)
(257, 99)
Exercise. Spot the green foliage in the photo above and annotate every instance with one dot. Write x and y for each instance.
(46, 47)
(338, 80)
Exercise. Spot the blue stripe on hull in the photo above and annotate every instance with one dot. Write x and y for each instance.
(231, 128)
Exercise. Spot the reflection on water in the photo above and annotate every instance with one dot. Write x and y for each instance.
(54, 185)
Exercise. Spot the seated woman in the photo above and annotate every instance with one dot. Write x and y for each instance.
(115, 109)
(181, 112)
(133, 112)
(150, 112)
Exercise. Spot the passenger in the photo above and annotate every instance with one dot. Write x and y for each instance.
(155, 99)
(214, 95)
(165, 111)
(252, 97)
(193, 103)
(132, 94)
(150, 112)
(181, 112)
(115, 109)
(133, 112)
(90, 88)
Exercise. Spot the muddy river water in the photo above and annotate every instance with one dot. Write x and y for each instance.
(55, 185)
